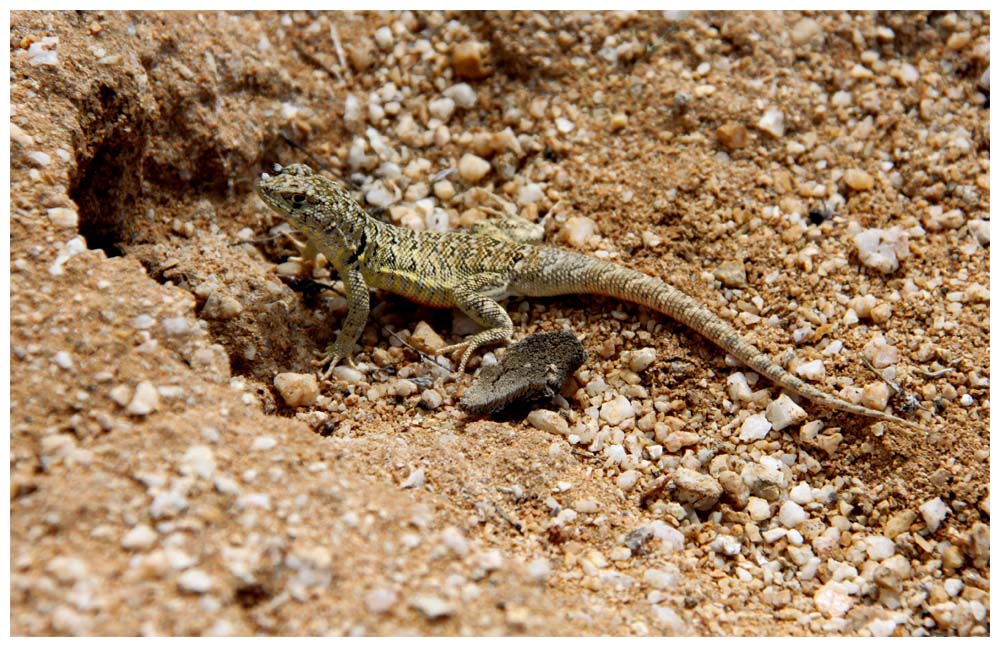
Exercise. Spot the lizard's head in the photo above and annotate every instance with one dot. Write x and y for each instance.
(308, 201)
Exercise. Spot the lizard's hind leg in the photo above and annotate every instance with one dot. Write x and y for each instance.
(476, 297)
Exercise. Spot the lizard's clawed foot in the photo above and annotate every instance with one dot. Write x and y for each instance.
(330, 358)
(469, 349)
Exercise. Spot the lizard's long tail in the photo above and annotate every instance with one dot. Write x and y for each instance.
(577, 273)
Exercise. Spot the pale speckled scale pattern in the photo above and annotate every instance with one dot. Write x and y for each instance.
(473, 272)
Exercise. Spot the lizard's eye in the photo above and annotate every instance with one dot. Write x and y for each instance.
(299, 199)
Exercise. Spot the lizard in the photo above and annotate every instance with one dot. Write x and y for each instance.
(473, 272)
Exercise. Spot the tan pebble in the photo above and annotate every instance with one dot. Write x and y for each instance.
(548, 421)
(978, 546)
(829, 443)
(444, 190)
(360, 54)
(145, 400)
(618, 121)
(700, 490)
(297, 389)
(63, 217)
(881, 313)
(220, 305)
(952, 558)
(732, 135)
(804, 31)
(473, 168)
(899, 523)
(425, 339)
(731, 274)
(958, 40)
(858, 180)
(467, 60)
(577, 231)
(875, 395)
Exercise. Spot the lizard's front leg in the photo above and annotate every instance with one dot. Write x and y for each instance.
(354, 323)
(476, 297)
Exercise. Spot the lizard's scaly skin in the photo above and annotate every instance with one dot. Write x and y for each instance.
(473, 272)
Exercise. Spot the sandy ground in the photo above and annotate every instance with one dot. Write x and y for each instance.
(821, 180)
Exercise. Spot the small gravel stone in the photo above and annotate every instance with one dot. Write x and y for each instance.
(791, 514)
(39, 158)
(467, 60)
(63, 360)
(727, 545)
(63, 217)
(899, 523)
(627, 480)
(414, 480)
(67, 621)
(263, 443)
(297, 389)
(539, 569)
(858, 179)
(732, 274)
(176, 326)
(384, 38)
(198, 461)
(755, 427)
(833, 600)
(140, 537)
(804, 31)
(577, 231)
(67, 569)
(548, 421)
(425, 339)
(981, 230)
(462, 94)
(700, 490)
(431, 399)
(671, 539)
(732, 135)
(378, 195)
(933, 512)
(758, 509)
(669, 620)
(194, 580)
(783, 412)
(431, 606)
(347, 374)
(444, 190)
(145, 400)
(879, 547)
(882, 249)
(617, 411)
(473, 168)
(442, 108)
(221, 306)
(380, 600)
(801, 494)
(876, 395)
(773, 123)
(529, 194)
(662, 579)
(812, 371)
(143, 322)
(456, 543)
(641, 359)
